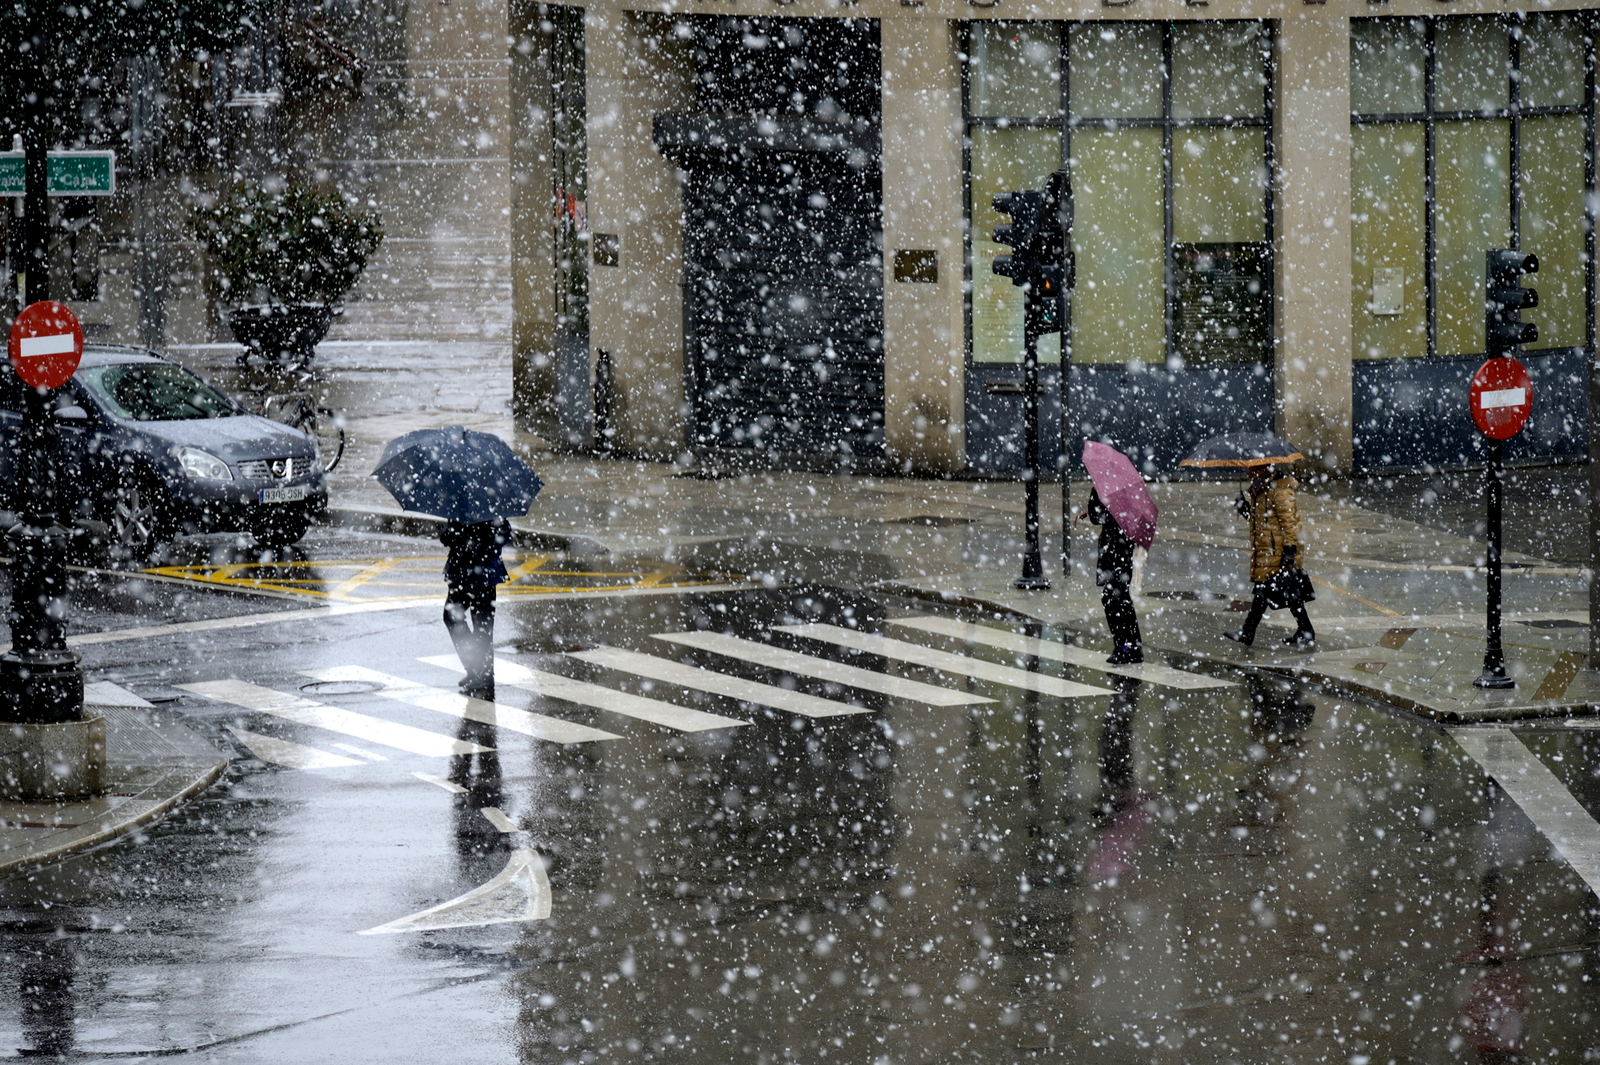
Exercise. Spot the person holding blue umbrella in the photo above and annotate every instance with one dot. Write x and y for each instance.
(474, 481)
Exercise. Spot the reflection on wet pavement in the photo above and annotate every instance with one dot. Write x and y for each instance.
(1144, 868)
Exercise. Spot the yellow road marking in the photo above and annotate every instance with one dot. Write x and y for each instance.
(370, 580)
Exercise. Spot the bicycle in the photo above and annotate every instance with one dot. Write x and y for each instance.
(300, 411)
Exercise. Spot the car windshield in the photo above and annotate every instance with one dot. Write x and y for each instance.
(155, 392)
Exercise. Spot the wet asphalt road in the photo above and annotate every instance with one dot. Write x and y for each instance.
(1141, 872)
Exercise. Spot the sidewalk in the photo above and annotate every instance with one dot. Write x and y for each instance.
(1399, 613)
(155, 763)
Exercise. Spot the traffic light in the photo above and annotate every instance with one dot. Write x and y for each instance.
(1053, 274)
(1504, 300)
(1020, 234)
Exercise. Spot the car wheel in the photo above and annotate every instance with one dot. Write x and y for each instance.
(135, 517)
(280, 530)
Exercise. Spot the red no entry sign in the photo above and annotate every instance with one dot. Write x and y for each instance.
(46, 344)
(1501, 398)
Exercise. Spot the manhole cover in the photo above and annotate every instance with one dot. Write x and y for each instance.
(340, 687)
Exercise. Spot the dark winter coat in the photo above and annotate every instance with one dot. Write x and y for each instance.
(474, 567)
(1115, 562)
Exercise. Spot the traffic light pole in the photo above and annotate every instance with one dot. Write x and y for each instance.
(1033, 578)
(1494, 657)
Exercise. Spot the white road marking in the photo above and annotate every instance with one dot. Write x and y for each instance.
(440, 782)
(304, 712)
(105, 693)
(1016, 643)
(801, 665)
(1541, 795)
(361, 752)
(521, 892)
(944, 661)
(555, 686)
(285, 753)
(538, 726)
(497, 817)
(747, 691)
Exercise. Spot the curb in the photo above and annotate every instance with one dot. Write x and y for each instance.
(108, 829)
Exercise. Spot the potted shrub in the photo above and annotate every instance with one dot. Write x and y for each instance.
(286, 258)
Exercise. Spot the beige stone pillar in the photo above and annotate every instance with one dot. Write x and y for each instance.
(1312, 138)
(637, 68)
(924, 332)
(533, 273)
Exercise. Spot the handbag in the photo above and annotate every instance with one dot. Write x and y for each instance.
(1289, 587)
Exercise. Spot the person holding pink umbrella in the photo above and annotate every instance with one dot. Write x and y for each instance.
(1121, 505)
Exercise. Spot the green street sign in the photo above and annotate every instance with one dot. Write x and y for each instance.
(70, 173)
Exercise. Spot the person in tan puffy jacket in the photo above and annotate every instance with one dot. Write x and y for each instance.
(1275, 556)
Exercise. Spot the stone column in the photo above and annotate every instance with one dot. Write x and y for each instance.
(637, 68)
(1312, 138)
(533, 272)
(924, 329)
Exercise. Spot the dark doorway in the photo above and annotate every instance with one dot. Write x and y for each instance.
(783, 262)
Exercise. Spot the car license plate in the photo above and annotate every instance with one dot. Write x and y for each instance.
(293, 493)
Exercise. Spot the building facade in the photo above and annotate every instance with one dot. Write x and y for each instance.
(765, 231)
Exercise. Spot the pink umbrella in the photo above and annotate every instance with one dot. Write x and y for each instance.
(1122, 490)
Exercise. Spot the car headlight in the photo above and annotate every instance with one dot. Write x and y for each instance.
(203, 465)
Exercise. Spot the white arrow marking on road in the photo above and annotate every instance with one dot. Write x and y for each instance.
(1016, 643)
(521, 892)
(304, 712)
(538, 726)
(820, 668)
(54, 344)
(285, 753)
(944, 661)
(555, 686)
(1503, 397)
(693, 677)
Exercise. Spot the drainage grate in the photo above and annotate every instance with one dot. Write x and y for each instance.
(1553, 623)
(341, 687)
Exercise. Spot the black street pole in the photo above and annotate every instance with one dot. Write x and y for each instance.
(1065, 461)
(1494, 657)
(1032, 578)
(39, 677)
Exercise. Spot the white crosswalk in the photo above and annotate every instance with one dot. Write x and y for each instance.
(286, 753)
(555, 686)
(538, 726)
(361, 726)
(706, 680)
(800, 665)
(1016, 643)
(729, 653)
(944, 661)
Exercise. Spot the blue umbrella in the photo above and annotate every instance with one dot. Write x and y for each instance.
(457, 474)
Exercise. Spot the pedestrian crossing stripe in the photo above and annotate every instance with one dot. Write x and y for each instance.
(802, 665)
(362, 727)
(944, 661)
(706, 680)
(365, 580)
(1016, 643)
(482, 711)
(285, 753)
(555, 686)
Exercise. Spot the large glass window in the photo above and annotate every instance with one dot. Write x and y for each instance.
(1469, 133)
(1166, 131)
